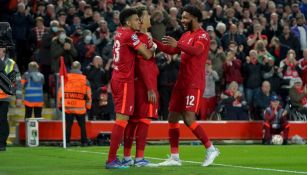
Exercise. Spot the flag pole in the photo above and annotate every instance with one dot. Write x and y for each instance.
(63, 112)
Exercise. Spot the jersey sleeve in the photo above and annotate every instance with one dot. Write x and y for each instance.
(202, 41)
(133, 40)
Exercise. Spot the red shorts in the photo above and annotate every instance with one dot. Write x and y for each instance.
(123, 96)
(185, 100)
(207, 107)
(144, 109)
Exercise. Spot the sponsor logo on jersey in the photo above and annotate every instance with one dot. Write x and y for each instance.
(134, 37)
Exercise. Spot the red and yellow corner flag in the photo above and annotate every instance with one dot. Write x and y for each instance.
(63, 71)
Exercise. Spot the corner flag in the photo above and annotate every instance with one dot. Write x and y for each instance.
(64, 78)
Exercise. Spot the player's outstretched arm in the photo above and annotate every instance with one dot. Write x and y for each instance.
(147, 53)
(166, 49)
(195, 50)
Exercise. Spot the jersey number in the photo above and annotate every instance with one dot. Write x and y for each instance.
(116, 51)
(190, 100)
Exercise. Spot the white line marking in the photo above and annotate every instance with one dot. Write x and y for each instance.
(216, 164)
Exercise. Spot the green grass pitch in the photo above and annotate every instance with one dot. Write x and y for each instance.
(233, 160)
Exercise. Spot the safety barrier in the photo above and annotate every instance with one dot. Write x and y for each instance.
(51, 130)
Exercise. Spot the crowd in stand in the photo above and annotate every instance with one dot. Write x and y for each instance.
(258, 48)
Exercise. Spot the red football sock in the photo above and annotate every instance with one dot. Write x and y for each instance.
(116, 138)
(174, 134)
(141, 135)
(199, 132)
(128, 137)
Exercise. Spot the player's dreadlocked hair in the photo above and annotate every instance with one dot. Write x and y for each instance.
(193, 10)
(140, 9)
(126, 14)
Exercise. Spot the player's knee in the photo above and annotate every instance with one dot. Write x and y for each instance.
(189, 118)
(122, 117)
(188, 122)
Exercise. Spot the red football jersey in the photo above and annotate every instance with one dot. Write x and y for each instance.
(125, 45)
(146, 71)
(192, 68)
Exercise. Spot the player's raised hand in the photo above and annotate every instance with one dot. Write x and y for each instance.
(168, 40)
(152, 96)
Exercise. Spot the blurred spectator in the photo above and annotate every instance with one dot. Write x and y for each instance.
(50, 15)
(238, 50)
(252, 70)
(44, 57)
(81, 8)
(71, 12)
(97, 77)
(232, 71)
(295, 11)
(36, 36)
(114, 23)
(96, 74)
(22, 23)
(159, 22)
(275, 121)
(235, 107)
(212, 34)
(230, 17)
(173, 12)
(263, 55)
(106, 52)
(298, 96)
(102, 106)
(262, 100)
(33, 82)
(209, 99)
(291, 71)
(217, 15)
(77, 35)
(76, 25)
(274, 28)
(87, 17)
(263, 7)
(101, 37)
(168, 68)
(253, 9)
(289, 39)
(290, 66)
(86, 48)
(62, 21)
(300, 31)
(217, 57)
(97, 17)
(233, 35)
(220, 29)
(278, 50)
(62, 45)
(247, 21)
(274, 75)
(41, 10)
(257, 35)
(174, 29)
(303, 67)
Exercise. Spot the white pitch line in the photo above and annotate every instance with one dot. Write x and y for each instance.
(216, 164)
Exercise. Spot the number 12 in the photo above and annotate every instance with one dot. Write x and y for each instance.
(190, 100)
